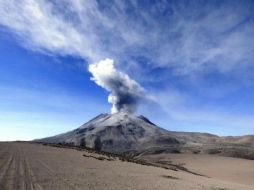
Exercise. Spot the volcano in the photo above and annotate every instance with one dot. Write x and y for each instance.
(119, 132)
(126, 133)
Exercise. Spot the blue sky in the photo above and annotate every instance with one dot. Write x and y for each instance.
(194, 59)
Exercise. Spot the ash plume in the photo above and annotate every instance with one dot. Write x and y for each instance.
(125, 93)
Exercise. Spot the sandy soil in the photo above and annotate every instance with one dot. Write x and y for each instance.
(33, 166)
(225, 168)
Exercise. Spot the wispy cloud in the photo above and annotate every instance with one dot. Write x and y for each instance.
(42, 28)
(177, 110)
(185, 37)
(178, 38)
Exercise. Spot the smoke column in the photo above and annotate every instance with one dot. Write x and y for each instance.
(125, 93)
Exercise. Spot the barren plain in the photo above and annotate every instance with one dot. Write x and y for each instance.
(34, 166)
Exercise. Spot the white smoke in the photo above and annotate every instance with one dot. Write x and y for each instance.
(125, 93)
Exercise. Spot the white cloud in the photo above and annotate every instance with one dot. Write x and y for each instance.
(124, 92)
(180, 112)
(185, 38)
(36, 23)
(178, 38)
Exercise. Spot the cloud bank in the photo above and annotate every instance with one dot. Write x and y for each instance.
(125, 93)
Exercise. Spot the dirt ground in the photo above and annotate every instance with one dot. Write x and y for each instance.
(33, 166)
(224, 168)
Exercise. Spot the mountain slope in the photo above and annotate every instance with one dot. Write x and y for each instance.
(118, 132)
(125, 133)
